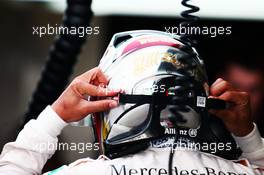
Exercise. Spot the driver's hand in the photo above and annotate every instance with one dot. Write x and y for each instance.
(237, 118)
(73, 105)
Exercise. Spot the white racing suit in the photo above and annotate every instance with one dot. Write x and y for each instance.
(24, 156)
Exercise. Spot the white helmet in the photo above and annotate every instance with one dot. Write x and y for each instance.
(165, 86)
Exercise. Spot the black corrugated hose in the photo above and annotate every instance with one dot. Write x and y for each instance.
(62, 57)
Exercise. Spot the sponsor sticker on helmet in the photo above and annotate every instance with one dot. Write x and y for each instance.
(201, 101)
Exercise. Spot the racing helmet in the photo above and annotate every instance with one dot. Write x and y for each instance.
(164, 87)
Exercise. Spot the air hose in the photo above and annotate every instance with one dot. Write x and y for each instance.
(212, 130)
(189, 40)
(189, 20)
(62, 58)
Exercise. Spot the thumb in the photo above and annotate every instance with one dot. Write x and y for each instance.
(99, 105)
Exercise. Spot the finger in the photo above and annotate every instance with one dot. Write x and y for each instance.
(100, 106)
(217, 81)
(100, 91)
(235, 97)
(84, 88)
(99, 77)
(94, 75)
(220, 87)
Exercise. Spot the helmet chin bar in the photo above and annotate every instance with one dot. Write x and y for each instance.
(151, 128)
(137, 138)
